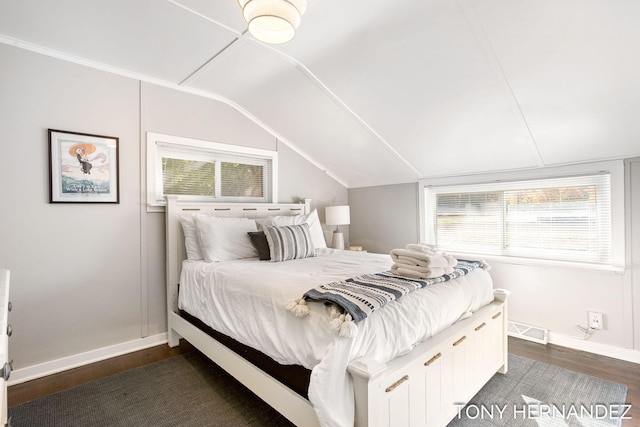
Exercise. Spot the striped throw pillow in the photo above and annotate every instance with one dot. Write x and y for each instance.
(289, 242)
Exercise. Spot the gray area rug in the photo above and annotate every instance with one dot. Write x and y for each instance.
(189, 390)
(537, 394)
(185, 391)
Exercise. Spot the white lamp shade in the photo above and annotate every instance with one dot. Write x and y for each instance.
(273, 21)
(337, 215)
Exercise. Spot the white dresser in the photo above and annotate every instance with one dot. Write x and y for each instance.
(5, 332)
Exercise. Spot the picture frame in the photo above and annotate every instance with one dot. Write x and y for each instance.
(83, 168)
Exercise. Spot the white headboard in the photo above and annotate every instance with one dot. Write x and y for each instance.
(175, 248)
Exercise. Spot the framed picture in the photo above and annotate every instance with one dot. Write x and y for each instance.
(83, 168)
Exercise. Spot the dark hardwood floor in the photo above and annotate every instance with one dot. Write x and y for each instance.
(30, 390)
(587, 363)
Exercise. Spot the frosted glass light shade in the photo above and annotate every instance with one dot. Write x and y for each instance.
(337, 215)
(273, 21)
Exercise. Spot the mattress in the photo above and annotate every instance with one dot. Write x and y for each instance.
(245, 299)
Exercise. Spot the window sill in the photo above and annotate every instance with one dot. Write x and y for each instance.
(156, 208)
(544, 263)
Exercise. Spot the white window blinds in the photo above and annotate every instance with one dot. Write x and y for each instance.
(199, 170)
(564, 219)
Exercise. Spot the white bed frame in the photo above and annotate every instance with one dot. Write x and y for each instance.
(426, 387)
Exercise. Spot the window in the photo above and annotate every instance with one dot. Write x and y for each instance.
(201, 170)
(566, 219)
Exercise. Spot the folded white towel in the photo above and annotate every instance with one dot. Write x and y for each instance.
(421, 258)
(406, 256)
(395, 253)
(432, 261)
(421, 247)
(409, 271)
(451, 261)
(406, 261)
(416, 268)
(421, 261)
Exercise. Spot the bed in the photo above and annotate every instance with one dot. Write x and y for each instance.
(383, 375)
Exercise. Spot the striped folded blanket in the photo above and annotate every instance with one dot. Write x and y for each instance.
(356, 298)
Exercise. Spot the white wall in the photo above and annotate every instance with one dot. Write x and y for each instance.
(87, 277)
(384, 217)
(556, 298)
(74, 269)
(633, 250)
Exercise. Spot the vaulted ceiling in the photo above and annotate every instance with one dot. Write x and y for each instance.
(381, 91)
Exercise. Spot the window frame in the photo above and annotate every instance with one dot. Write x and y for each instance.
(190, 144)
(614, 168)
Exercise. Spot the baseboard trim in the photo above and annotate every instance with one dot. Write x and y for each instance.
(626, 354)
(54, 366)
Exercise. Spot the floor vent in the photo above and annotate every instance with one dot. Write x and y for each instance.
(528, 332)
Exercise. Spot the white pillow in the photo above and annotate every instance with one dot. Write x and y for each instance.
(191, 242)
(223, 239)
(261, 223)
(315, 228)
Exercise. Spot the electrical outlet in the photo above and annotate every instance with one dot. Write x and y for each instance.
(595, 320)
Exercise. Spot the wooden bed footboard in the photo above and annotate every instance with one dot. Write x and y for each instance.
(430, 385)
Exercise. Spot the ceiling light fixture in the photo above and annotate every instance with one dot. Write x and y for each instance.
(273, 21)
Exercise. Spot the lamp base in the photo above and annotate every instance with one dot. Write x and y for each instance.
(337, 242)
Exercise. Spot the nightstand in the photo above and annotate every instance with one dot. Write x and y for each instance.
(356, 249)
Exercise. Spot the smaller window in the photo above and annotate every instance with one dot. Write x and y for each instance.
(202, 170)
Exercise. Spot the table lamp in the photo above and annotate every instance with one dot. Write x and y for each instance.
(337, 215)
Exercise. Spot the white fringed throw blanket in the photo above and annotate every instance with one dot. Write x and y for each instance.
(356, 298)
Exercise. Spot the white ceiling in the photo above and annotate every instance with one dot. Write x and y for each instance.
(382, 91)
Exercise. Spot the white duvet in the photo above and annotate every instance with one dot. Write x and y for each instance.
(245, 299)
